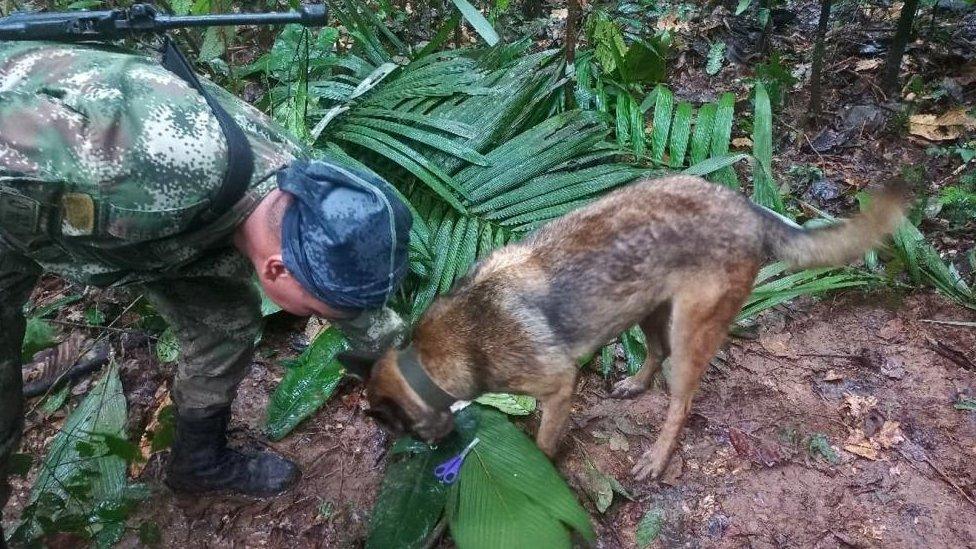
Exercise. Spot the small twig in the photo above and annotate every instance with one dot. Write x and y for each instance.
(942, 474)
(961, 323)
(91, 327)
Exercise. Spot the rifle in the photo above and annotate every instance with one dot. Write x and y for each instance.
(116, 24)
(110, 25)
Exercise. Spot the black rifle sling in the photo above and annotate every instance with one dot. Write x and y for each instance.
(240, 157)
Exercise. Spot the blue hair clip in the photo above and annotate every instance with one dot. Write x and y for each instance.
(448, 471)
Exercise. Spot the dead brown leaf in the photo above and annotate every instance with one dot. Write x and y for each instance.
(867, 65)
(145, 444)
(945, 127)
(756, 451)
(832, 375)
(742, 143)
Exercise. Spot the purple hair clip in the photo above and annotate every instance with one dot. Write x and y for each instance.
(448, 471)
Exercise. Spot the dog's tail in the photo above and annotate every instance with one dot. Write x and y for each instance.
(841, 242)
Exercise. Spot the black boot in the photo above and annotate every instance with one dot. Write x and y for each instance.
(200, 461)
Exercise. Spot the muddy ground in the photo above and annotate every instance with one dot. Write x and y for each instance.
(831, 425)
(745, 475)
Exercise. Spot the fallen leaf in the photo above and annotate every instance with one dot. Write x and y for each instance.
(863, 447)
(146, 443)
(742, 142)
(763, 454)
(945, 127)
(627, 427)
(858, 406)
(619, 443)
(598, 487)
(867, 64)
(832, 375)
(890, 435)
(777, 344)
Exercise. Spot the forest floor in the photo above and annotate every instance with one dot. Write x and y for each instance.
(831, 423)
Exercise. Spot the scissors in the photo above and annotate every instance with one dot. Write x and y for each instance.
(448, 471)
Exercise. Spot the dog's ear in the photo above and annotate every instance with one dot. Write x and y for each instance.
(357, 365)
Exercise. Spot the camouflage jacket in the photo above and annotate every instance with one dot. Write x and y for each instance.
(106, 158)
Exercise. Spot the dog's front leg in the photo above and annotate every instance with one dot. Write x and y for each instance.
(555, 414)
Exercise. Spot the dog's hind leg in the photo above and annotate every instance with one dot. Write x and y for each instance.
(655, 328)
(555, 412)
(699, 325)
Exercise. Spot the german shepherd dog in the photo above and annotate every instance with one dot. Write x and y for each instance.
(677, 256)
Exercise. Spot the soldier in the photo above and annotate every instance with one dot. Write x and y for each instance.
(107, 163)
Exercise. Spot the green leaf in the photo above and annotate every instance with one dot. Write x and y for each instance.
(714, 164)
(478, 21)
(644, 63)
(86, 481)
(742, 6)
(56, 306)
(94, 317)
(702, 138)
(722, 138)
(214, 44)
(607, 360)
(509, 494)
(168, 346)
(53, 402)
(663, 109)
(635, 348)
(716, 55)
(306, 386)
(680, 133)
(513, 405)
(411, 499)
(649, 528)
(598, 487)
(764, 190)
(38, 335)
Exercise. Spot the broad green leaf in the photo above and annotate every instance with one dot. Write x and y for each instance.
(635, 349)
(764, 189)
(307, 385)
(513, 405)
(644, 63)
(78, 469)
(607, 360)
(702, 138)
(637, 137)
(38, 335)
(663, 109)
(509, 494)
(722, 138)
(680, 133)
(478, 21)
(714, 164)
(53, 402)
(411, 499)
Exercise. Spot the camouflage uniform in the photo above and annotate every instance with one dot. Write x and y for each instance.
(106, 158)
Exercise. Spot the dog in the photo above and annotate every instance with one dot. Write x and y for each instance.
(677, 256)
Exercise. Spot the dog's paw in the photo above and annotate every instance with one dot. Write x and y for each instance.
(628, 388)
(652, 464)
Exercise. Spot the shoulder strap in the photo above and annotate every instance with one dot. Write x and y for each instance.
(240, 157)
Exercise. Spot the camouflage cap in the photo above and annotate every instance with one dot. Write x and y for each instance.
(345, 236)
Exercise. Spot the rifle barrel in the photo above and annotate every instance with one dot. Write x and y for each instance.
(314, 15)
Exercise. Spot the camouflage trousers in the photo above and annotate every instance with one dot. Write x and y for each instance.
(217, 321)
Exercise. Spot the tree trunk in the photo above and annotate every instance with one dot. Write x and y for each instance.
(572, 20)
(816, 71)
(896, 50)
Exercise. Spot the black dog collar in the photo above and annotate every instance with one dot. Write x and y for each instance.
(420, 381)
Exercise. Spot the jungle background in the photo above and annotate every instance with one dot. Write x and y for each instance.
(841, 412)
